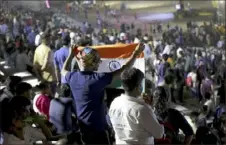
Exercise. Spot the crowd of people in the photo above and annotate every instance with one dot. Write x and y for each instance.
(183, 63)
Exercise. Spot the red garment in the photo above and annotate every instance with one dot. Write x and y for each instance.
(43, 104)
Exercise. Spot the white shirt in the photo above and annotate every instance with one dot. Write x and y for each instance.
(147, 51)
(178, 52)
(31, 135)
(167, 49)
(36, 110)
(134, 122)
(22, 60)
(37, 39)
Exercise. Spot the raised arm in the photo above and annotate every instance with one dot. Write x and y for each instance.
(139, 49)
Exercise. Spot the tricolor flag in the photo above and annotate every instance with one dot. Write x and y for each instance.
(114, 57)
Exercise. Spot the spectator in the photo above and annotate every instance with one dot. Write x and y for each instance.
(59, 58)
(61, 111)
(128, 107)
(43, 62)
(10, 89)
(23, 62)
(171, 116)
(13, 125)
(87, 89)
(41, 101)
(24, 90)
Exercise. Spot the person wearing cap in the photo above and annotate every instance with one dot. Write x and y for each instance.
(59, 58)
(87, 88)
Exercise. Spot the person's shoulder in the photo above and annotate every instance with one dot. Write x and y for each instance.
(174, 111)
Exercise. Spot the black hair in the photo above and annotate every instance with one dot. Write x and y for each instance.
(207, 95)
(11, 109)
(66, 40)
(85, 42)
(65, 91)
(204, 136)
(42, 86)
(205, 108)
(22, 88)
(165, 57)
(199, 53)
(11, 83)
(160, 92)
(131, 78)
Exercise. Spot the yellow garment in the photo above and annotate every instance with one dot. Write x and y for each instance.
(43, 54)
(170, 61)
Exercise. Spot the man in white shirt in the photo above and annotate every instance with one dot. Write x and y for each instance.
(38, 38)
(133, 120)
(167, 49)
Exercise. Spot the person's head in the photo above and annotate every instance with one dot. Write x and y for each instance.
(160, 100)
(89, 58)
(204, 136)
(132, 81)
(65, 91)
(45, 38)
(66, 40)
(165, 57)
(44, 88)
(15, 111)
(11, 83)
(24, 89)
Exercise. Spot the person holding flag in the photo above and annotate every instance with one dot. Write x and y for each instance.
(88, 86)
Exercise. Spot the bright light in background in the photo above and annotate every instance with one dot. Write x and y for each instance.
(156, 17)
(22, 74)
(221, 2)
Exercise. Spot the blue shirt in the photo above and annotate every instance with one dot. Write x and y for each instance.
(60, 114)
(88, 93)
(59, 58)
(31, 38)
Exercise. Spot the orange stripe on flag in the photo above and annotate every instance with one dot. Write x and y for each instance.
(116, 51)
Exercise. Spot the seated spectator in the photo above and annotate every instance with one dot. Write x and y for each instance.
(41, 101)
(204, 135)
(24, 90)
(172, 117)
(10, 89)
(13, 125)
(63, 117)
(60, 111)
(128, 107)
(209, 104)
(23, 63)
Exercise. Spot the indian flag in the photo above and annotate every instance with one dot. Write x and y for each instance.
(114, 57)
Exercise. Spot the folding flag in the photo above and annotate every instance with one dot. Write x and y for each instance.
(114, 57)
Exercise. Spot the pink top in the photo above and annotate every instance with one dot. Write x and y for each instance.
(43, 103)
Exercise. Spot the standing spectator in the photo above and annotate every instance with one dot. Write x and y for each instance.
(87, 88)
(38, 37)
(127, 108)
(59, 58)
(44, 63)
